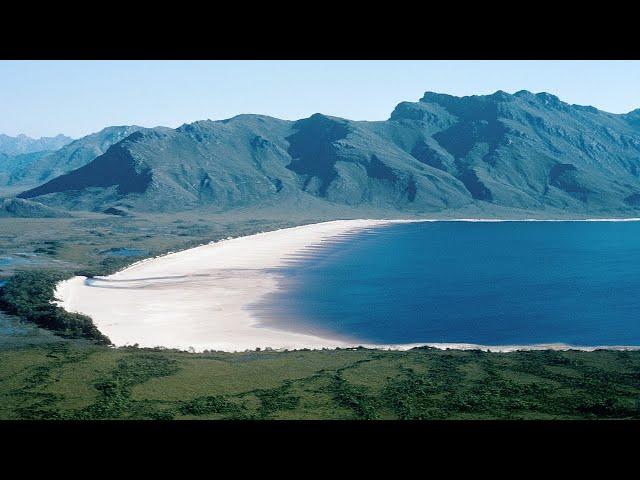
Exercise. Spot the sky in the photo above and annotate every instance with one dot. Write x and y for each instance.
(44, 98)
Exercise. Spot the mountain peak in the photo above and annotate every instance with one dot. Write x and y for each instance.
(549, 98)
(501, 95)
(541, 99)
(434, 97)
(525, 94)
(322, 120)
(633, 117)
(23, 144)
(499, 150)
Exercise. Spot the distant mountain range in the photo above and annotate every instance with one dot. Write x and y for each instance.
(22, 144)
(523, 151)
(36, 168)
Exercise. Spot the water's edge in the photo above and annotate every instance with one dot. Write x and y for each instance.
(455, 346)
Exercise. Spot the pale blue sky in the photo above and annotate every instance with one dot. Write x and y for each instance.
(79, 97)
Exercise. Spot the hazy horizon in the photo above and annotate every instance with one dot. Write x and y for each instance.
(75, 98)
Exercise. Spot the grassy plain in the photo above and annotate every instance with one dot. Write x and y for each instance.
(72, 379)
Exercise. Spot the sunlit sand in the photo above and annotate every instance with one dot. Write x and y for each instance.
(198, 298)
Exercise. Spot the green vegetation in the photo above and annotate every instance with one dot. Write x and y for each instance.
(61, 376)
(209, 405)
(82, 380)
(51, 250)
(276, 399)
(115, 390)
(28, 294)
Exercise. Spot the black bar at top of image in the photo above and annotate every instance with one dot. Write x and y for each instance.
(321, 31)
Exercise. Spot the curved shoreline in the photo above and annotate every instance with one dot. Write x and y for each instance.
(197, 299)
(504, 348)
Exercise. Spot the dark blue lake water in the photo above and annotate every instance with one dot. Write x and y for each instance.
(459, 282)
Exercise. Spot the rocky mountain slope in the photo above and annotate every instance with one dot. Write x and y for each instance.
(29, 170)
(10, 164)
(522, 151)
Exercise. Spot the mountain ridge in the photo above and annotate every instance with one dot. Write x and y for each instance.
(41, 167)
(23, 144)
(523, 151)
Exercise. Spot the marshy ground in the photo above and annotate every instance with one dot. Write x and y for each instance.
(74, 379)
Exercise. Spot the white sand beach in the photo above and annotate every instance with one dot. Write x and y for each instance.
(197, 298)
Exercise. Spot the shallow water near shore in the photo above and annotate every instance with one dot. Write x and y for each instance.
(487, 283)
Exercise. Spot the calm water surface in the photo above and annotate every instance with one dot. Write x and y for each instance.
(459, 282)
